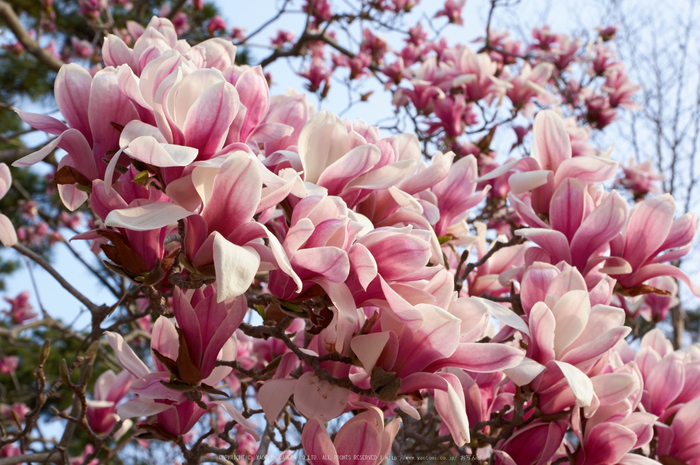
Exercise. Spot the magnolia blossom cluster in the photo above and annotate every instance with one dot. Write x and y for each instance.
(446, 88)
(377, 296)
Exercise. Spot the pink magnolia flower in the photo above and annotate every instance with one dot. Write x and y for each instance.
(604, 59)
(641, 179)
(364, 439)
(317, 244)
(109, 390)
(282, 38)
(350, 160)
(599, 111)
(9, 364)
(17, 409)
(680, 440)
(188, 353)
(21, 310)
(501, 41)
(533, 444)
(552, 152)
(608, 32)
(544, 38)
(620, 90)
(618, 425)
(452, 10)
(542, 280)
(81, 48)
(456, 194)
(217, 23)
(529, 84)
(374, 46)
(565, 52)
(10, 450)
(579, 136)
(291, 110)
(660, 305)
(319, 76)
(649, 232)
(581, 231)
(90, 132)
(567, 339)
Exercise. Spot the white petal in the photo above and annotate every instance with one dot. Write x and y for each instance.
(147, 217)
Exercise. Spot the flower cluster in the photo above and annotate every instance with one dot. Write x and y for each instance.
(357, 254)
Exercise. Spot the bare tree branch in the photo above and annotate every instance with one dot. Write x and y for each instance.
(29, 44)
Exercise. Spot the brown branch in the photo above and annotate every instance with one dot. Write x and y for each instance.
(48, 457)
(96, 309)
(10, 17)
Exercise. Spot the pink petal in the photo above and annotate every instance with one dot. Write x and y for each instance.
(567, 207)
(148, 150)
(437, 338)
(235, 267)
(571, 313)
(449, 404)
(240, 419)
(330, 263)
(580, 384)
(607, 443)
(218, 53)
(529, 180)
(649, 225)
(351, 165)
(5, 179)
(115, 52)
(603, 224)
(72, 142)
(543, 327)
(129, 360)
(254, 94)
(141, 408)
(553, 242)
(551, 144)
(270, 132)
(315, 397)
(481, 358)
(146, 217)
(107, 105)
(682, 232)
(8, 235)
(72, 91)
(44, 123)
(535, 283)
(323, 140)
(358, 440)
(440, 167)
(589, 351)
(71, 196)
(525, 372)
(317, 444)
(238, 187)
(664, 383)
(611, 388)
(217, 326)
(209, 117)
(273, 396)
(368, 348)
(363, 264)
(586, 169)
